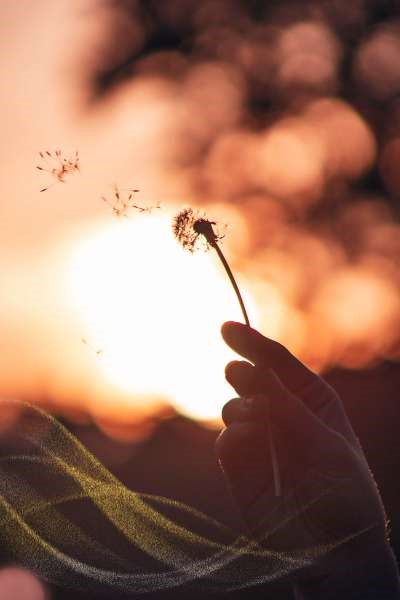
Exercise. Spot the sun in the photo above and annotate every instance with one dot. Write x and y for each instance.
(155, 311)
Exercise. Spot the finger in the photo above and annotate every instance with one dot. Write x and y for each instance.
(295, 422)
(237, 447)
(247, 379)
(237, 409)
(242, 450)
(258, 349)
(319, 397)
(233, 439)
(289, 410)
(241, 376)
(266, 353)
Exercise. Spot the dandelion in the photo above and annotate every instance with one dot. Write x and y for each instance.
(58, 166)
(121, 203)
(190, 228)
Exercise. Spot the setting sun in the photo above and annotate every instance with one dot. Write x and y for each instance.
(154, 311)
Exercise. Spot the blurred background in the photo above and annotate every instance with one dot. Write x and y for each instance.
(280, 120)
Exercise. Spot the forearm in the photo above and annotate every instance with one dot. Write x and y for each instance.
(370, 575)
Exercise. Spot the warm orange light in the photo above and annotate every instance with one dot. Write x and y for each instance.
(360, 311)
(155, 312)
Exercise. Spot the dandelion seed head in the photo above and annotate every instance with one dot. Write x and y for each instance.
(182, 227)
(205, 227)
(189, 227)
(194, 231)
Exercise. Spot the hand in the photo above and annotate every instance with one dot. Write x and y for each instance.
(329, 502)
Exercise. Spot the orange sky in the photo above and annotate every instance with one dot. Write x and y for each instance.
(70, 270)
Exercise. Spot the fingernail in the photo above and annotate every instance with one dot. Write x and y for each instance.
(228, 325)
(233, 364)
(232, 325)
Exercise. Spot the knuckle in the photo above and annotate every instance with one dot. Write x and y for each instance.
(269, 346)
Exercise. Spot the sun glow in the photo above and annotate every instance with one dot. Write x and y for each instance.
(155, 312)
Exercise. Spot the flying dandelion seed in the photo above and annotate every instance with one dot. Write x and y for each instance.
(121, 203)
(97, 351)
(189, 227)
(58, 166)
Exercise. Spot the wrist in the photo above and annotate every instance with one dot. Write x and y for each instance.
(366, 572)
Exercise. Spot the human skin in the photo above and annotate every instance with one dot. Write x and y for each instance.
(329, 509)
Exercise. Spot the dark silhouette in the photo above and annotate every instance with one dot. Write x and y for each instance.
(329, 497)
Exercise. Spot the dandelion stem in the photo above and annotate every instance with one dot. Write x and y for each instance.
(232, 280)
(274, 460)
(187, 229)
(271, 442)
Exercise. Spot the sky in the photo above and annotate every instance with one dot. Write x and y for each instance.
(281, 124)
